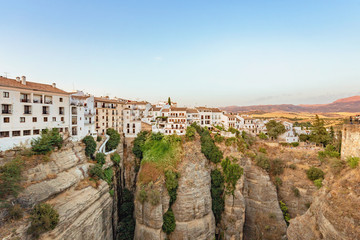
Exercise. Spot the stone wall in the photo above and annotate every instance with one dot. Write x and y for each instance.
(350, 141)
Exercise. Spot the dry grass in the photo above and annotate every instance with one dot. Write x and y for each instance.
(51, 176)
(149, 173)
(87, 182)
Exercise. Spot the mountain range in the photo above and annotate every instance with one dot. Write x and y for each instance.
(350, 104)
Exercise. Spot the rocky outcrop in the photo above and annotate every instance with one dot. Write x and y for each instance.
(192, 209)
(263, 217)
(233, 218)
(334, 213)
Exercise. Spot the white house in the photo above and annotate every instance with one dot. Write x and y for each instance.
(29, 107)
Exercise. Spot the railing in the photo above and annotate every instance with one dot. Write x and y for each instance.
(25, 100)
(27, 112)
(6, 111)
(102, 147)
(48, 102)
(46, 112)
(37, 101)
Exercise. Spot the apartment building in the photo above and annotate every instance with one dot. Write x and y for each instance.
(82, 111)
(205, 116)
(229, 121)
(133, 113)
(27, 108)
(176, 121)
(192, 116)
(108, 114)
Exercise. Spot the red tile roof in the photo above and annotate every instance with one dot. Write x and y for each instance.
(191, 110)
(12, 83)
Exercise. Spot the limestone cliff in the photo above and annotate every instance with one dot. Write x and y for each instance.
(192, 209)
(334, 214)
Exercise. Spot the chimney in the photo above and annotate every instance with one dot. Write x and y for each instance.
(54, 85)
(23, 80)
(18, 79)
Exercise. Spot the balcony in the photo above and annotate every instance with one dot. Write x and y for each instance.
(48, 102)
(45, 112)
(27, 112)
(25, 100)
(6, 111)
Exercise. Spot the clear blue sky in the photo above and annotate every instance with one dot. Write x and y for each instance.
(213, 53)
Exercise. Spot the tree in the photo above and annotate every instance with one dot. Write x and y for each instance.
(275, 128)
(90, 146)
(43, 218)
(114, 139)
(319, 135)
(169, 101)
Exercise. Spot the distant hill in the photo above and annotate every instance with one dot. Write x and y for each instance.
(350, 104)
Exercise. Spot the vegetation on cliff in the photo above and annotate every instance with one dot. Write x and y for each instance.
(217, 194)
(232, 173)
(43, 218)
(90, 146)
(127, 223)
(113, 141)
(275, 128)
(10, 178)
(48, 141)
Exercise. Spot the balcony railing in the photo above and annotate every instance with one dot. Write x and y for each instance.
(25, 100)
(27, 112)
(48, 102)
(37, 101)
(46, 112)
(8, 111)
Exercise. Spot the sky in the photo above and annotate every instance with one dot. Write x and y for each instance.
(208, 53)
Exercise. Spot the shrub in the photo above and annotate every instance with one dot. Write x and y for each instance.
(43, 218)
(154, 197)
(98, 138)
(296, 191)
(190, 133)
(139, 142)
(292, 166)
(47, 141)
(263, 162)
(262, 150)
(10, 177)
(336, 165)
(218, 138)
(278, 182)
(285, 212)
(249, 140)
(113, 141)
(169, 223)
(100, 158)
(275, 128)
(90, 146)
(318, 183)
(96, 172)
(277, 166)
(108, 176)
(353, 161)
(230, 141)
(232, 173)
(217, 191)
(209, 149)
(263, 136)
(295, 144)
(111, 192)
(16, 212)
(115, 157)
(314, 173)
(142, 196)
(171, 182)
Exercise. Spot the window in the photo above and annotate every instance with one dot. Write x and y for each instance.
(6, 119)
(54, 119)
(6, 108)
(36, 131)
(48, 100)
(22, 119)
(27, 109)
(4, 134)
(61, 99)
(45, 119)
(34, 119)
(6, 94)
(61, 110)
(16, 133)
(45, 110)
(27, 132)
(37, 99)
(62, 119)
(24, 97)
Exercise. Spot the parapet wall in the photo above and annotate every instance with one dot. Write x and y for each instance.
(350, 141)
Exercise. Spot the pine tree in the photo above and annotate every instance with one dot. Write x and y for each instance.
(169, 101)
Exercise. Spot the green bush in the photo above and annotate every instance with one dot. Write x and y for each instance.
(43, 218)
(263, 136)
(98, 138)
(353, 161)
(249, 140)
(314, 173)
(154, 197)
(217, 192)
(172, 183)
(230, 141)
(336, 165)
(142, 196)
(263, 162)
(10, 177)
(218, 138)
(16, 212)
(169, 223)
(113, 141)
(190, 133)
(275, 128)
(292, 166)
(115, 157)
(90, 146)
(139, 143)
(318, 183)
(111, 192)
(47, 141)
(285, 212)
(100, 158)
(278, 182)
(108, 176)
(296, 191)
(209, 149)
(295, 144)
(96, 172)
(232, 173)
(262, 150)
(329, 152)
(277, 166)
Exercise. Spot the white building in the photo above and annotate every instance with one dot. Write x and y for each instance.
(133, 113)
(27, 108)
(192, 116)
(172, 121)
(228, 121)
(82, 110)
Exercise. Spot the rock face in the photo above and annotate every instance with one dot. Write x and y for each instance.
(85, 212)
(192, 209)
(233, 218)
(263, 217)
(334, 213)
